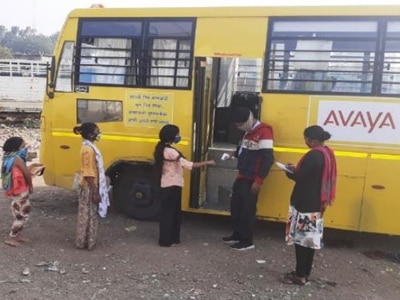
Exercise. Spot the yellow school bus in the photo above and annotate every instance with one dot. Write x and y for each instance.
(133, 70)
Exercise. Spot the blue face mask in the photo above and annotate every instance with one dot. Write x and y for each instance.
(23, 153)
(177, 139)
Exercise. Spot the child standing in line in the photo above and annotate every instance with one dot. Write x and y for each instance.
(93, 192)
(170, 163)
(17, 184)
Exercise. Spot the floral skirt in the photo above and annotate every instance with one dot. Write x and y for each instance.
(304, 229)
(86, 227)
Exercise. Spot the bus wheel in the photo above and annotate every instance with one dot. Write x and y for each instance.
(136, 193)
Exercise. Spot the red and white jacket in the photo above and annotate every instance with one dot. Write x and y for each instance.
(255, 153)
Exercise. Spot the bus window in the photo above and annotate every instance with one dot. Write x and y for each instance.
(170, 63)
(64, 71)
(321, 56)
(98, 111)
(170, 51)
(104, 61)
(391, 64)
(119, 52)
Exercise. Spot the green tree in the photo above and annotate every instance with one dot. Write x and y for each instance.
(26, 41)
(5, 53)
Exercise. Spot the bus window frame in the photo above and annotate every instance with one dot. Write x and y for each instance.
(378, 55)
(143, 57)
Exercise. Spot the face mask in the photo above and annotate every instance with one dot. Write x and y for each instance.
(177, 139)
(98, 137)
(23, 153)
(248, 125)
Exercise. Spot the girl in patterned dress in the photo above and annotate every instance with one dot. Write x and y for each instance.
(17, 184)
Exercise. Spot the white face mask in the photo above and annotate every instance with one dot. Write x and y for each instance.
(98, 137)
(248, 125)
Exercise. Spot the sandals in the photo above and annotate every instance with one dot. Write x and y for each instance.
(291, 278)
(11, 242)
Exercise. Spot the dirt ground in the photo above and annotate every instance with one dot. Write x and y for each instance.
(127, 263)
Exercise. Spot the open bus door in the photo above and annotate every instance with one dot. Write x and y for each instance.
(220, 85)
(201, 132)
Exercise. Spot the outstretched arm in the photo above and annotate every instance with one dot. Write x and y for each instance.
(203, 163)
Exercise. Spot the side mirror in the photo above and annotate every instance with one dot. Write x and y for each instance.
(50, 78)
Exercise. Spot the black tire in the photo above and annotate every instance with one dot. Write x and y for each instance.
(137, 193)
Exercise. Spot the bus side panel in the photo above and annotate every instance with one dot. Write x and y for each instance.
(345, 211)
(231, 37)
(51, 111)
(381, 207)
(288, 116)
(120, 140)
(274, 199)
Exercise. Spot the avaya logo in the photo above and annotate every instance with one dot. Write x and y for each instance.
(365, 119)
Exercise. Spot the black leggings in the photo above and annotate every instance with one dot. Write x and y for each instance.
(170, 216)
(304, 260)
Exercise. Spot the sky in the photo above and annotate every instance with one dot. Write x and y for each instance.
(47, 16)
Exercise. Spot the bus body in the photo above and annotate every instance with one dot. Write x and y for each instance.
(134, 70)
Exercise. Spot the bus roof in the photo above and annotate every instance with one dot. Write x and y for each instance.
(364, 10)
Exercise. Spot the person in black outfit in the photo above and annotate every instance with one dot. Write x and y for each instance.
(315, 177)
(255, 157)
(169, 164)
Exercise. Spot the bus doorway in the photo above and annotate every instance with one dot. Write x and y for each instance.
(220, 85)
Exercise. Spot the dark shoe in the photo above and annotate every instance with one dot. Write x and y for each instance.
(291, 278)
(242, 246)
(230, 239)
(293, 273)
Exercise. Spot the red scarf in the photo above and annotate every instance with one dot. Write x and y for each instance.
(328, 182)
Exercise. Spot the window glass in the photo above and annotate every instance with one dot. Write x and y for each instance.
(110, 28)
(98, 111)
(104, 61)
(64, 72)
(322, 56)
(391, 61)
(170, 63)
(170, 28)
(119, 52)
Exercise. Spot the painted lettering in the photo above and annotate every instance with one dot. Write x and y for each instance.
(345, 121)
(359, 120)
(331, 119)
(388, 121)
(370, 120)
(367, 120)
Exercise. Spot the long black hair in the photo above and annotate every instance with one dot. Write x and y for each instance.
(86, 130)
(167, 135)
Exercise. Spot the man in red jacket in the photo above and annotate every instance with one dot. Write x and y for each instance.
(255, 158)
